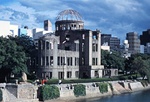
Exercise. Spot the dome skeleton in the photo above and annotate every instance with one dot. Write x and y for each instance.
(69, 15)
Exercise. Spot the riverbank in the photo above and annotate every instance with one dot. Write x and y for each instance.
(119, 87)
(27, 92)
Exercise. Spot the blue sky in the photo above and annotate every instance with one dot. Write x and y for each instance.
(110, 16)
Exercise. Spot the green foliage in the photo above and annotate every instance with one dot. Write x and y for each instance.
(55, 81)
(111, 87)
(48, 92)
(52, 81)
(12, 57)
(26, 42)
(79, 90)
(1, 95)
(103, 87)
(30, 50)
(139, 64)
(112, 60)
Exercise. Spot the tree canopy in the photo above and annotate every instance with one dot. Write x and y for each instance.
(17, 54)
(12, 57)
(30, 50)
(27, 43)
(112, 60)
(139, 63)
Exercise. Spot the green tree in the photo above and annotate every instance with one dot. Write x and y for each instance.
(145, 70)
(112, 60)
(12, 58)
(30, 50)
(140, 63)
(27, 43)
(137, 64)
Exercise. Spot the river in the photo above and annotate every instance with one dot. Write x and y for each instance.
(141, 96)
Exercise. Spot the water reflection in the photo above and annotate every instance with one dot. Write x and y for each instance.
(142, 96)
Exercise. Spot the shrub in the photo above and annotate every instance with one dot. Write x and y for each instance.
(48, 92)
(55, 81)
(111, 87)
(1, 95)
(79, 90)
(103, 87)
(52, 81)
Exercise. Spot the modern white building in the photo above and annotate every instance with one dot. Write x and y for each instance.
(39, 32)
(8, 29)
(104, 47)
(25, 31)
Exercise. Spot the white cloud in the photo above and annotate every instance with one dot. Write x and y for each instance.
(90, 24)
(111, 16)
(20, 8)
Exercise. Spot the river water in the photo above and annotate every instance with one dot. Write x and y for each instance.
(142, 96)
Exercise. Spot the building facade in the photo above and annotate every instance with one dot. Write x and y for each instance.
(113, 42)
(134, 42)
(25, 31)
(39, 32)
(73, 52)
(105, 38)
(8, 29)
(145, 37)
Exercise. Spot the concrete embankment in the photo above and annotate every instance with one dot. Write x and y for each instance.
(28, 92)
(119, 87)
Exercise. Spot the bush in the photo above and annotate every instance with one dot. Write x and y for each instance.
(79, 90)
(122, 78)
(48, 92)
(55, 81)
(103, 87)
(52, 81)
(1, 95)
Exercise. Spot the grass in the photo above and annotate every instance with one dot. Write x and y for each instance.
(55, 81)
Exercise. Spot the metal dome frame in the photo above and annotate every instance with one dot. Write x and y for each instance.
(69, 15)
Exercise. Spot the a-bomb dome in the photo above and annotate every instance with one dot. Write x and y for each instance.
(69, 15)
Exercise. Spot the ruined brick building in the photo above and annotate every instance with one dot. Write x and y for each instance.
(72, 51)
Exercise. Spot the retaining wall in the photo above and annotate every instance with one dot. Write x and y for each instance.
(29, 91)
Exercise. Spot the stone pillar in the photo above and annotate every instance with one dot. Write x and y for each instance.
(55, 73)
(90, 48)
(99, 49)
(73, 61)
(55, 55)
(44, 53)
(65, 72)
(65, 66)
(73, 74)
(92, 73)
(41, 44)
(24, 77)
(100, 72)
